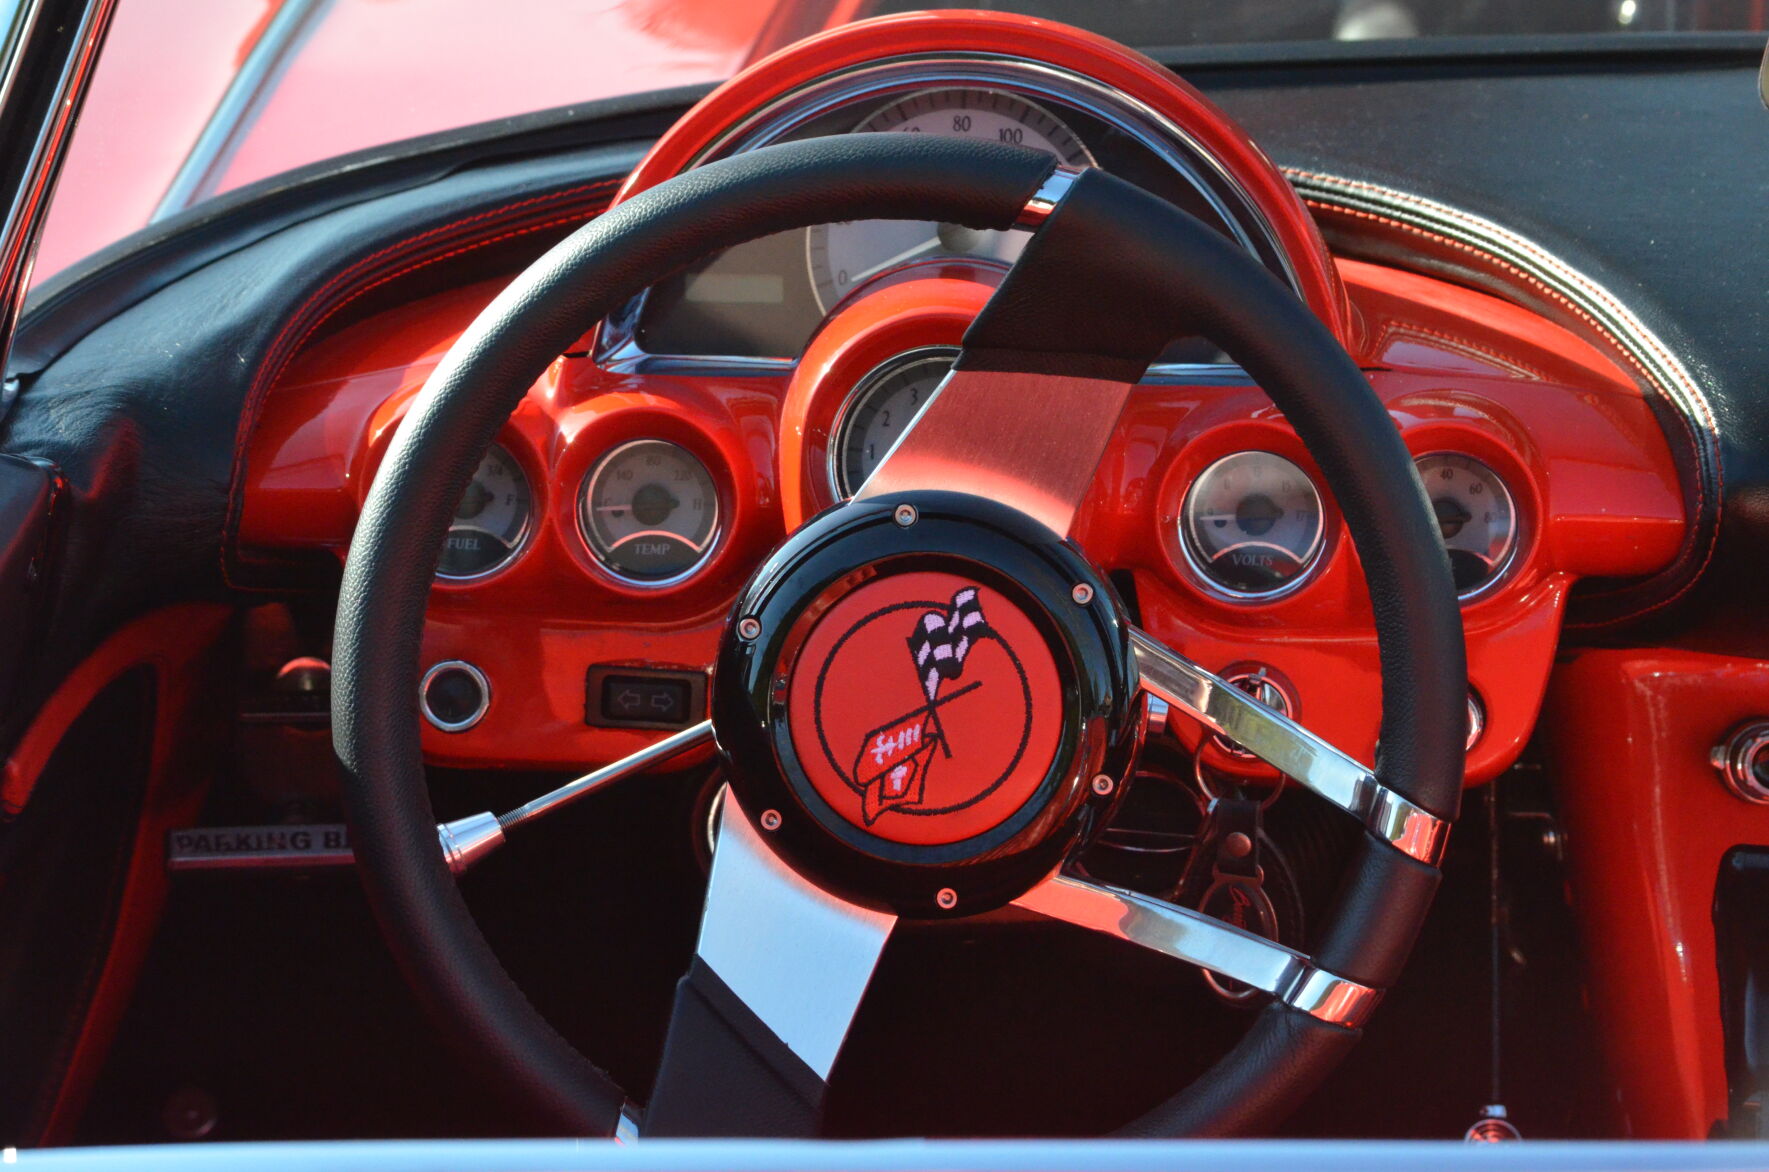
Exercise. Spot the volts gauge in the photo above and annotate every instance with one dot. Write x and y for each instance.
(1251, 525)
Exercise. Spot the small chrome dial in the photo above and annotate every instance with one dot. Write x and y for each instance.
(1252, 525)
(879, 410)
(649, 512)
(490, 522)
(845, 256)
(1475, 515)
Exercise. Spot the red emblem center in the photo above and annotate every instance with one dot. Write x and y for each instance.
(925, 708)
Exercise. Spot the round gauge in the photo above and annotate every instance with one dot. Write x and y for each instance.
(1475, 515)
(1252, 524)
(880, 410)
(491, 520)
(649, 512)
(845, 256)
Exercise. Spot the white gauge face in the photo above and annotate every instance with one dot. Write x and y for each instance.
(880, 410)
(649, 512)
(1252, 524)
(491, 520)
(845, 256)
(1474, 514)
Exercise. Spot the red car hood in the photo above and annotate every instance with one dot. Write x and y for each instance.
(367, 72)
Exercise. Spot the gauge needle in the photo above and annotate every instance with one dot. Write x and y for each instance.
(908, 254)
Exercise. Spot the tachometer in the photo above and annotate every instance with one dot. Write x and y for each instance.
(1475, 516)
(846, 255)
(491, 521)
(879, 409)
(1251, 524)
(649, 512)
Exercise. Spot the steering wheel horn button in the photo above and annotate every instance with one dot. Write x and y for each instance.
(928, 710)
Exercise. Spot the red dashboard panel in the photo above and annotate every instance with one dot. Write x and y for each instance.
(1647, 824)
(1596, 491)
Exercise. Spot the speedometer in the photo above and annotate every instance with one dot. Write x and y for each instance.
(845, 256)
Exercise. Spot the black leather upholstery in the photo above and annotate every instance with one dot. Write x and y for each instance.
(393, 555)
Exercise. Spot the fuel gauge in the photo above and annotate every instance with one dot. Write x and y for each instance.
(1252, 524)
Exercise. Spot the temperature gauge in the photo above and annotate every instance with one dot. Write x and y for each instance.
(649, 512)
(1475, 516)
(1252, 524)
(491, 521)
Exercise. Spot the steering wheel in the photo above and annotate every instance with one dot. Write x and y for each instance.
(927, 699)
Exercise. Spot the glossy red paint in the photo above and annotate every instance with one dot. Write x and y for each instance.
(1647, 822)
(173, 643)
(1059, 45)
(165, 64)
(1576, 441)
(871, 328)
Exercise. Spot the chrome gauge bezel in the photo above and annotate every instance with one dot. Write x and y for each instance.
(517, 547)
(873, 84)
(1194, 562)
(1514, 538)
(844, 415)
(584, 490)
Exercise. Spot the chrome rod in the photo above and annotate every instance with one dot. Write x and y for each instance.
(1292, 749)
(47, 51)
(1209, 943)
(656, 754)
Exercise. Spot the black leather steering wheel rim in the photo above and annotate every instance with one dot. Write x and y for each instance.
(1138, 248)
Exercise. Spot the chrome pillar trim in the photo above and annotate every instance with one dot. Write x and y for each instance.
(47, 53)
(677, 743)
(1049, 194)
(1030, 441)
(1198, 939)
(1292, 749)
(467, 840)
(199, 175)
(799, 957)
(629, 1123)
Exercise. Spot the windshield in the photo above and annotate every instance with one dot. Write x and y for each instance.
(193, 98)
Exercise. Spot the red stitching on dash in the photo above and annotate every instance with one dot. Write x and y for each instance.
(281, 352)
(1699, 403)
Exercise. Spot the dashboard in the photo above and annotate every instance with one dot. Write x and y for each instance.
(582, 589)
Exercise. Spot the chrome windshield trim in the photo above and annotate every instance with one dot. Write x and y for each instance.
(199, 175)
(1293, 750)
(1207, 942)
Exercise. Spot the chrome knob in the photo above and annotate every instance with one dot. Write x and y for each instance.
(1743, 761)
(1476, 719)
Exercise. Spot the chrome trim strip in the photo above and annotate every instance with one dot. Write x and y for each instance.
(1292, 749)
(1207, 942)
(799, 957)
(240, 105)
(35, 29)
(1650, 356)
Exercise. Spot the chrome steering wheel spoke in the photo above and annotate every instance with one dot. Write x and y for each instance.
(1201, 940)
(1293, 750)
(778, 974)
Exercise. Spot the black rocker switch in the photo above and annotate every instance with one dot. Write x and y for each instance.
(639, 697)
